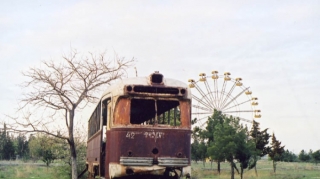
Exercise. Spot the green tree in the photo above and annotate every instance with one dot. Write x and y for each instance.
(195, 143)
(6, 144)
(2, 141)
(245, 150)
(194, 151)
(230, 143)
(199, 151)
(22, 148)
(47, 156)
(199, 146)
(208, 134)
(261, 139)
(8, 148)
(42, 147)
(216, 118)
(33, 147)
(304, 156)
(316, 156)
(276, 151)
(288, 156)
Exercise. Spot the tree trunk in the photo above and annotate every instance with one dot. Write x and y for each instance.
(73, 153)
(232, 170)
(218, 167)
(241, 173)
(235, 166)
(274, 166)
(255, 170)
(74, 170)
(74, 167)
(255, 165)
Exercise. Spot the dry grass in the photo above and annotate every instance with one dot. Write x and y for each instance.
(265, 171)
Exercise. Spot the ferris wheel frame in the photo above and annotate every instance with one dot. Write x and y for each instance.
(220, 99)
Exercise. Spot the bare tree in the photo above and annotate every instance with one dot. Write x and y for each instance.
(61, 88)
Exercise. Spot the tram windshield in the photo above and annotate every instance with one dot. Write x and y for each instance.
(149, 111)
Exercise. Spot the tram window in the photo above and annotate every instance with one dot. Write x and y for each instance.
(168, 112)
(143, 111)
(94, 121)
(105, 111)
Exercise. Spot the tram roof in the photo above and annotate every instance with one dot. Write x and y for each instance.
(117, 88)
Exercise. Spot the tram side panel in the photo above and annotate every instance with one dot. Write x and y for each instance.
(93, 151)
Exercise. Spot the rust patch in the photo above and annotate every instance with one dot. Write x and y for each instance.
(185, 116)
(122, 111)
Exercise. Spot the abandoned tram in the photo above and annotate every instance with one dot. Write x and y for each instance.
(141, 128)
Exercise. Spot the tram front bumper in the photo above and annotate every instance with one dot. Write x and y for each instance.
(118, 170)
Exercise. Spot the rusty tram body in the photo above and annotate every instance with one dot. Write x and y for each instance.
(141, 128)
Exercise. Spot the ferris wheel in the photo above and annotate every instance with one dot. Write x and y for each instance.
(225, 94)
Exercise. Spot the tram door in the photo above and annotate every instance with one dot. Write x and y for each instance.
(105, 115)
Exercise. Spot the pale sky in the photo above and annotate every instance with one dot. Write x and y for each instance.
(273, 45)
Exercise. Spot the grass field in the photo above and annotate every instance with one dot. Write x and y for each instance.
(284, 171)
(265, 171)
(15, 170)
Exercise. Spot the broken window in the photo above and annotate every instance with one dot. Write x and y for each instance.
(150, 111)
